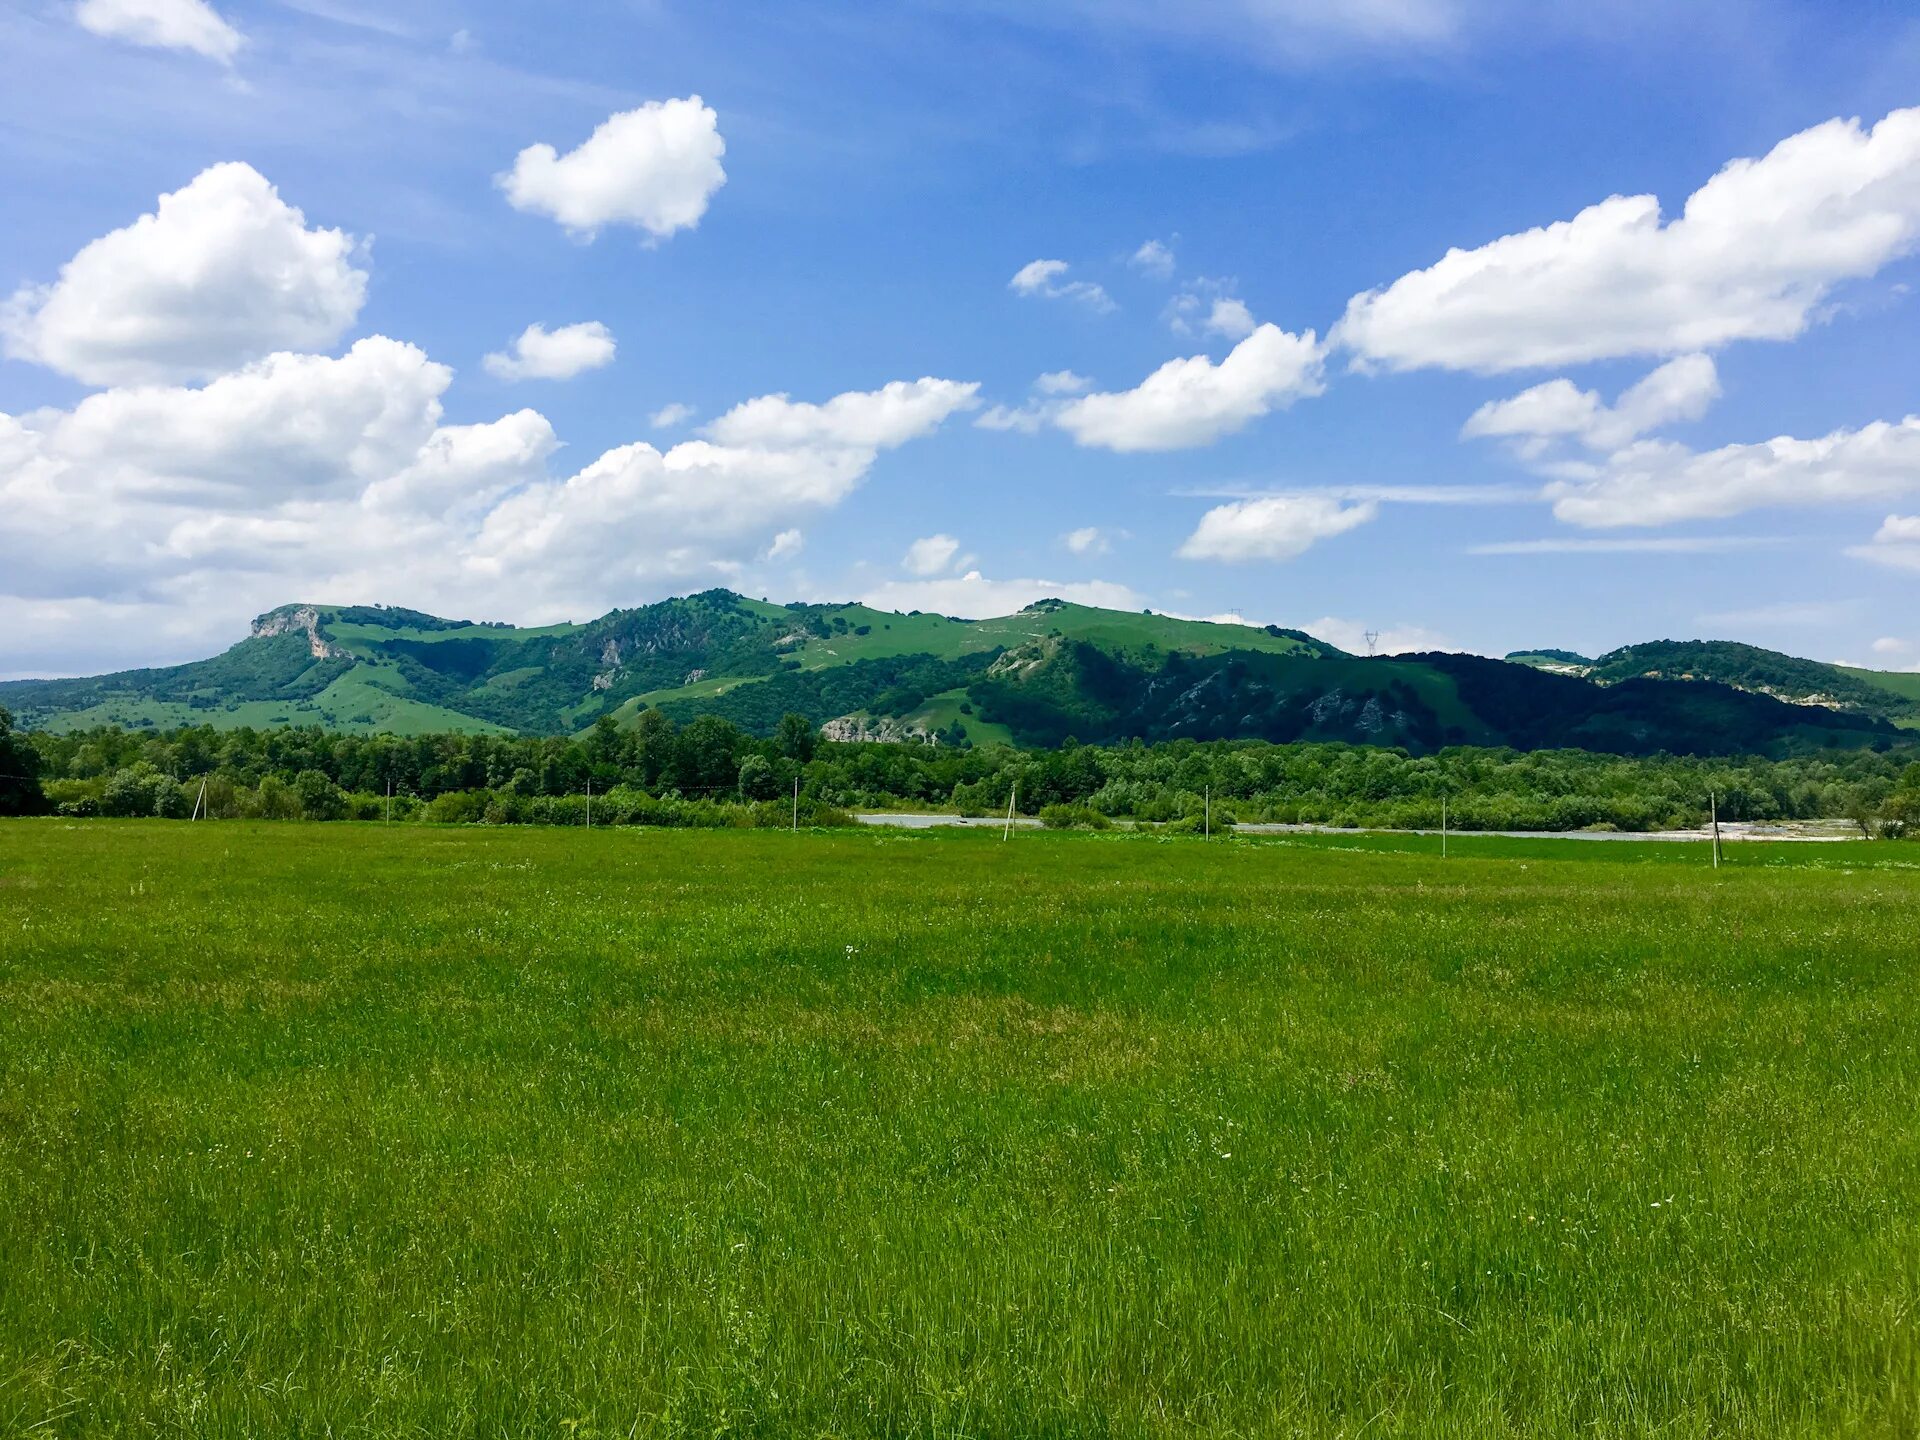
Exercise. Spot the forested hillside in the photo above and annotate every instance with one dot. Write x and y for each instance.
(1050, 673)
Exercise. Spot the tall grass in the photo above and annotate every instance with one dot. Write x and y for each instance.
(330, 1130)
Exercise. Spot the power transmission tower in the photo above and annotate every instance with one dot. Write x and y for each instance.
(1373, 640)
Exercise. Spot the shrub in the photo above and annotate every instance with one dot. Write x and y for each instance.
(319, 797)
(456, 807)
(1073, 817)
(1197, 825)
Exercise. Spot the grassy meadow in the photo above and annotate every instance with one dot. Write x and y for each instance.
(336, 1130)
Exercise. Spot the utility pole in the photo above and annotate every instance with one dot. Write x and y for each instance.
(1443, 826)
(589, 802)
(389, 801)
(1713, 810)
(1206, 813)
(796, 804)
(1012, 796)
(200, 799)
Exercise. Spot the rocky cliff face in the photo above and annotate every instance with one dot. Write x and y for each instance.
(299, 620)
(884, 730)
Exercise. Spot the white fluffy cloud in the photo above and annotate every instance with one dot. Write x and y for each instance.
(930, 554)
(897, 412)
(1052, 391)
(1753, 255)
(1153, 258)
(286, 426)
(670, 416)
(542, 354)
(1274, 527)
(1087, 540)
(1681, 389)
(1229, 317)
(1194, 401)
(638, 513)
(1047, 279)
(974, 596)
(1062, 382)
(655, 167)
(163, 24)
(1655, 483)
(223, 272)
(305, 476)
(1896, 543)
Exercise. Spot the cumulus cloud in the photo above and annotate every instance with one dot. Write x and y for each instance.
(930, 554)
(637, 513)
(1274, 527)
(1153, 258)
(655, 168)
(975, 596)
(307, 476)
(899, 411)
(1229, 317)
(163, 24)
(1052, 389)
(1026, 419)
(1047, 279)
(542, 354)
(1062, 382)
(1657, 483)
(1681, 389)
(1753, 255)
(288, 425)
(221, 273)
(670, 416)
(1087, 540)
(1194, 402)
(1897, 544)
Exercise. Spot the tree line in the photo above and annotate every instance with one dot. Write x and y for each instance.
(710, 772)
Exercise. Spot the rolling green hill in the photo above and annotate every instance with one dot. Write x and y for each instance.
(1766, 672)
(373, 668)
(1050, 672)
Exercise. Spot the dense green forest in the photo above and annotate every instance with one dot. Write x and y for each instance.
(712, 772)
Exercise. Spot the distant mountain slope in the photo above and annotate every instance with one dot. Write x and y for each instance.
(1421, 702)
(1764, 672)
(367, 668)
(1050, 672)
(1559, 662)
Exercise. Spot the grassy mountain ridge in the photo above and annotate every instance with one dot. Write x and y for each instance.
(1763, 672)
(1038, 677)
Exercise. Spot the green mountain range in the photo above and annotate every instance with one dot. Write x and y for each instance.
(1051, 672)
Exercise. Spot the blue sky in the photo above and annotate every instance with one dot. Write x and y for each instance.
(1577, 432)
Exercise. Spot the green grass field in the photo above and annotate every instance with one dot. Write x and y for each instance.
(323, 1130)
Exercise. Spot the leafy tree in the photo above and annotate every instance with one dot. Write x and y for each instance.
(757, 779)
(319, 797)
(796, 737)
(705, 755)
(20, 792)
